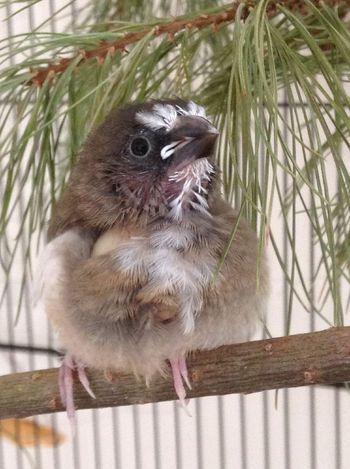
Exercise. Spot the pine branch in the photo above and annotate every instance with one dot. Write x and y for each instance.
(178, 24)
(299, 360)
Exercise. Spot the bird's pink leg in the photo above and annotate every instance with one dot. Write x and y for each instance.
(180, 374)
(65, 379)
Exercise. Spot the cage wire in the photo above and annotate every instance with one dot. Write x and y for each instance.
(305, 427)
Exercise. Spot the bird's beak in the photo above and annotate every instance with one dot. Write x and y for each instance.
(191, 138)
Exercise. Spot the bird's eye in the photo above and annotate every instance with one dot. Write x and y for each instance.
(140, 147)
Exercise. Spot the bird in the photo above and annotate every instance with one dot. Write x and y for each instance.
(145, 261)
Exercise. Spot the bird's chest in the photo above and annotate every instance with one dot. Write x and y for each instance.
(171, 256)
(172, 261)
(179, 270)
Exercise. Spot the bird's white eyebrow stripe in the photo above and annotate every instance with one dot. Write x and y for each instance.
(164, 115)
(193, 109)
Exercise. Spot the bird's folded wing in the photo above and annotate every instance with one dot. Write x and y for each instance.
(51, 268)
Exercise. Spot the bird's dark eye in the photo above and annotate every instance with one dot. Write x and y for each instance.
(140, 147)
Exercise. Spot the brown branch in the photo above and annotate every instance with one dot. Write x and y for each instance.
(171, 28)
(299, 360)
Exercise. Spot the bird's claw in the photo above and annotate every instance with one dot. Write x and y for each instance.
(66, 379)
(180, 375)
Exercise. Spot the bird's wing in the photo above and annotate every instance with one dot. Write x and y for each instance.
(51, 267)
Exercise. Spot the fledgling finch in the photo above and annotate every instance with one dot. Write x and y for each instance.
(130, 274)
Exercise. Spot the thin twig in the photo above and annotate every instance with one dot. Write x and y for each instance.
(171, 28)
(299, 360)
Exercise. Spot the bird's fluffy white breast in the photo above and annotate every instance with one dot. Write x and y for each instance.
(162, 256)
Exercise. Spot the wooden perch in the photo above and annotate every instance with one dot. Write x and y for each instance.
(299, 360)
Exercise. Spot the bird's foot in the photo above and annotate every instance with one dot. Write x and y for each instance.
(66, 371)
(180, 376)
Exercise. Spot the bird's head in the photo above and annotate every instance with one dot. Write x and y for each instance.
(147, 161)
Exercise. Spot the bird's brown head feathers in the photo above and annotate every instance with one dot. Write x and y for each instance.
(145, 161)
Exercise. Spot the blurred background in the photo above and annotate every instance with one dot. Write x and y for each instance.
(276, 85)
